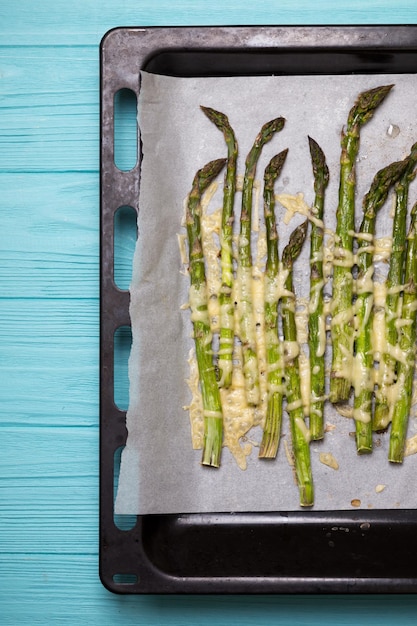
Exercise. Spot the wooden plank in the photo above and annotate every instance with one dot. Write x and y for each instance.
(55, 516)
(50, 236)
(51, 376)
(49, 118)
(49, 386)
(49, 453)
(65, 589)
(86, 21)
(49, 490)
(50, 308)
(49, 329)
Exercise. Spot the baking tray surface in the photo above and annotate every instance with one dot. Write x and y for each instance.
(333, 551)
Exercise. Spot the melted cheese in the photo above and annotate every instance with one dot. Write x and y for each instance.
(344, 317)
(379, 321)
(367, 303)
(226, 316)
(301, 320)
(347, 362)
(226, 370)
(304, 367)
(198, 304)
(343, 257)
(210, 228)
(257, 186)
(361, 236)
(293, 204)
(393, 393)
(215, 414)
(258, 295)
(410, 307)
(321, 346)
(362, 414)
(195, 408)
(345, 410)
(360, 375)
(275, 286)
(293, 406)
(317, 257)
(291, 350)
(315, 294)
(251, 289)
(411, 446)
(302, 427)
(245, 305)
(182, 245)
(382, 249)
(365, 284)
(328, 459)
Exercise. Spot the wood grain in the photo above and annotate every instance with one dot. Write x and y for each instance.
(86, 21)
(49, 322)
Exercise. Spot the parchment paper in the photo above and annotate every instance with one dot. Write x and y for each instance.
(160, 472)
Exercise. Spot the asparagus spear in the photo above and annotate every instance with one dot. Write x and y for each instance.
(299, 432)
(342, 318)
(273, 420)
(407, 346)
(387, 365)
(213, 422)
(363, 388)
(246, 322)
(317, 322)
(225, 298)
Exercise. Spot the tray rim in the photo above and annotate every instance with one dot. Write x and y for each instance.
(126, 546)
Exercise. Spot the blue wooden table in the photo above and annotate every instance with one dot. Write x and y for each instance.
(49, 321)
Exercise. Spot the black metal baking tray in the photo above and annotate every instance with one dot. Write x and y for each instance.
(310, 552)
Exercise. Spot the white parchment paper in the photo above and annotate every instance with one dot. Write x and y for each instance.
(160, 472)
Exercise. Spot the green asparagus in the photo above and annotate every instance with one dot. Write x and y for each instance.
(299, 431)
(342, 327)
(387, 364)
(225, 352)
(364, 358)
(406, 366)
(212, 408)
(317, 320)
(244, 271)
(273, 420)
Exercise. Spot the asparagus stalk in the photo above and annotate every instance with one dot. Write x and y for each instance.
(317, 321)
(273, 420)
(246, 321)
(213, 415)
(299, 432)
(342, 318)
(387, 365)
(225, 363)
(363, 388)
(407, 345)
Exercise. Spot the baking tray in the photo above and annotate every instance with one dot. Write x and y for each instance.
(285, 552)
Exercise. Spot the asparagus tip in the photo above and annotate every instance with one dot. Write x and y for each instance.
(217, 117)
(273, 169)
(320, 168)
(293, 248)
(207, 174)
(269, 129)
(367, 102)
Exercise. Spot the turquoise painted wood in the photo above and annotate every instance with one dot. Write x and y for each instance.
(49, 305)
